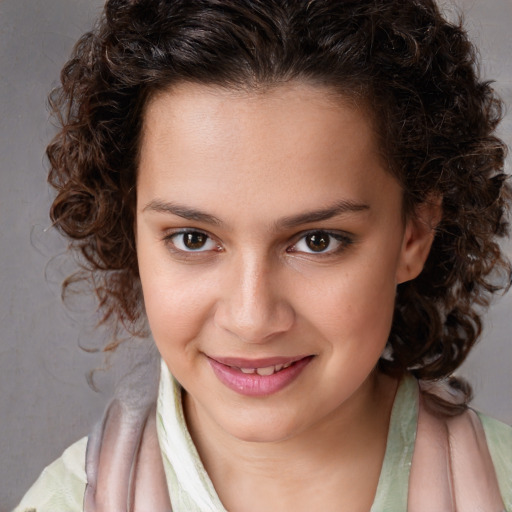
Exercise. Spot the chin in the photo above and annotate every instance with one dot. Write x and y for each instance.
(256, 430)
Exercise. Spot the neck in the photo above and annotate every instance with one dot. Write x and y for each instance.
(344, 450)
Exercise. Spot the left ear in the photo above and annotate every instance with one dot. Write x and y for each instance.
(419, 234)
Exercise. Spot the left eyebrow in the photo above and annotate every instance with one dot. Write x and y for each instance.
(182, 211)
(338, 208)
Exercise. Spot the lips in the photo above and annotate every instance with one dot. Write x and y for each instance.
(258, 377)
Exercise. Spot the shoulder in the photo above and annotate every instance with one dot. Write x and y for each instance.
(61, 485)
(470, 453)
(499, 441)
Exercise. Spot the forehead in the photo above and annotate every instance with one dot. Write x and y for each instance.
(266, 104)
(301, 139)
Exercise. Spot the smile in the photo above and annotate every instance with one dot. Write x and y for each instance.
(258, 377)
(267, 370)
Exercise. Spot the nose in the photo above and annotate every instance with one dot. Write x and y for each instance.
(254, 305)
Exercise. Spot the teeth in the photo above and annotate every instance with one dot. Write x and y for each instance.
(269, 370)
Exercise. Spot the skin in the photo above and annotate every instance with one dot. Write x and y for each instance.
(256, 289)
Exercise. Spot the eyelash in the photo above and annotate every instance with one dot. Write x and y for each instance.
(169, 240)
(343, 240)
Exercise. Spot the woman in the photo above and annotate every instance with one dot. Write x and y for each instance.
(303, 200)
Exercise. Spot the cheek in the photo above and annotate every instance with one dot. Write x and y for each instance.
(355, 304)
(354, 321)
(173, 311)
(178, 300)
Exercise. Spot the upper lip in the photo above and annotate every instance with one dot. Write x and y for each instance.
(263, 362)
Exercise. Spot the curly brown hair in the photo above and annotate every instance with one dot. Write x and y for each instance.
(415, 70)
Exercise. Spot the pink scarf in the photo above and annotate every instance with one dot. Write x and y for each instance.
(451, 470)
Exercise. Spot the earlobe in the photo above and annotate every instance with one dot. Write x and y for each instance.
(419, 234)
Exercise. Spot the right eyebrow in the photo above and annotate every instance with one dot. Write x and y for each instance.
(184, 212)
(339, 208)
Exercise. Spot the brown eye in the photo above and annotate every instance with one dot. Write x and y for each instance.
(321, 243)
(317, 241)
(194, 240)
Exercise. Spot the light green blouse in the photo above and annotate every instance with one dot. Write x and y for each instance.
(61, 486)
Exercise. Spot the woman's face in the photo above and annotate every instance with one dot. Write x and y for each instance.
(270, 241)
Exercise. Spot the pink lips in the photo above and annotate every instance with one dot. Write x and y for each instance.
(228, 371)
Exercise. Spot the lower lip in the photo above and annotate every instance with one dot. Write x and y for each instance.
(252, 384)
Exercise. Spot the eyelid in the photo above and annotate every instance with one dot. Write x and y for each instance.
(170, 234)
(345, 239)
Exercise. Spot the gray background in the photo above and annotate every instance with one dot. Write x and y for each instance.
(45, 402)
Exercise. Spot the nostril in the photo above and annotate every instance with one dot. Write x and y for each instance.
(255, 324)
